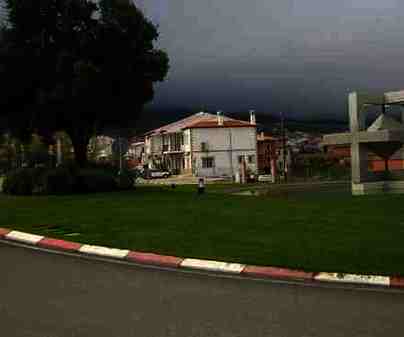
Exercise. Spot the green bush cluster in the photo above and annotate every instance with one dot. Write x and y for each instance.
(66, 179)
(95, 180)
(125, 181)
(22, 181)
(58, 181)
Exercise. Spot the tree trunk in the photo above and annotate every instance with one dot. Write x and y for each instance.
(80, 144)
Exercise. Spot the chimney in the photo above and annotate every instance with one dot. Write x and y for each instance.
(219, 118)
(252, 117)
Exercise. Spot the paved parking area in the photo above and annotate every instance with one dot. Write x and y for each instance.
(179, 180)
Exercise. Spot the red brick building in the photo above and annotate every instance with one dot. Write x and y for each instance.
(375, 163)
(267, 147)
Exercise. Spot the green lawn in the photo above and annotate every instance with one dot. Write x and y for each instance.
(327, 232)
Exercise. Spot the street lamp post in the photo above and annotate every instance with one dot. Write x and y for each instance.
(284, 161)
(120, 154)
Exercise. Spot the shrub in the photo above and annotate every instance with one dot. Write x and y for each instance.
(125, 181)
(59, 181)
(104, 166)
(23, 181)
(71, 166)
(63, 180)
(95, 180)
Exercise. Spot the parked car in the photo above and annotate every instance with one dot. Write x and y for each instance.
(155, 173)
(268, 178)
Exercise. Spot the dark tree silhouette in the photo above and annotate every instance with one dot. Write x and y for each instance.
(76, 66)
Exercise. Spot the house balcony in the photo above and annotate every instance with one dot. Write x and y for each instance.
(173, 149)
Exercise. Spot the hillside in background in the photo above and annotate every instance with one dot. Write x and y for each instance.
(151, 119)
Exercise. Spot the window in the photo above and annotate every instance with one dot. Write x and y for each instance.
(240, 159)
(186, 138)
(208, 162)
(251, 159)
(204, 147)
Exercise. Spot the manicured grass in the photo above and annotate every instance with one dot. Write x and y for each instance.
(327, 232)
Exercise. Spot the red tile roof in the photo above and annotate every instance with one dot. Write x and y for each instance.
(212, 123)
(199, 120)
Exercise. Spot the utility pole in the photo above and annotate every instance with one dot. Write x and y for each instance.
(120, 154)
(231, 152)
(283, 132)
(59, 154)
(386, 159)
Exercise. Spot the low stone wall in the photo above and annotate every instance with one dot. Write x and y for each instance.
(378, 187)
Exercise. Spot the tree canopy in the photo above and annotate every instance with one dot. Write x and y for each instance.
(76, 66)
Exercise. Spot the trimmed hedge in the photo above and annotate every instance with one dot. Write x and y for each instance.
(59, 181)
(64, 180)
(23, 181)
(95, 180)
(125, 181)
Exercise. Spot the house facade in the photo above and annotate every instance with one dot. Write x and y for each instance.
(204, 145)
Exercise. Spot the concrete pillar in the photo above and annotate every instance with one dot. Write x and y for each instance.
(357, 118)
(359, 162)
(273, 170)
(359, 152)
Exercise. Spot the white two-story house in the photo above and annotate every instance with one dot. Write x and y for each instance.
(204, 145)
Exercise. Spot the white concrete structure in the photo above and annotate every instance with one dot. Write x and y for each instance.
(205, 145)
(384, 138)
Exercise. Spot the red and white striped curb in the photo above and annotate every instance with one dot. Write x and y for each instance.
(208, 265)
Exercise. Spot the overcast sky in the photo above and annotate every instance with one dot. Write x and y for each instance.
(298, 56)
(301, 57)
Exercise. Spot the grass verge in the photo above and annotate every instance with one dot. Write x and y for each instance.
(314, 232)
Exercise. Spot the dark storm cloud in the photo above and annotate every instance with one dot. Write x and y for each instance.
(302, 56)
(299, 56)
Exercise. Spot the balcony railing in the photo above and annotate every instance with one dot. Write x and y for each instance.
(176, 148)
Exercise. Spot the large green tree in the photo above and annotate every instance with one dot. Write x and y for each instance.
(76, 66)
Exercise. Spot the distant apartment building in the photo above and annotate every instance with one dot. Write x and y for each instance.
(203, 144)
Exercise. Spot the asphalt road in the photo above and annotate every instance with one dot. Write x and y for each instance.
(48, 295)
